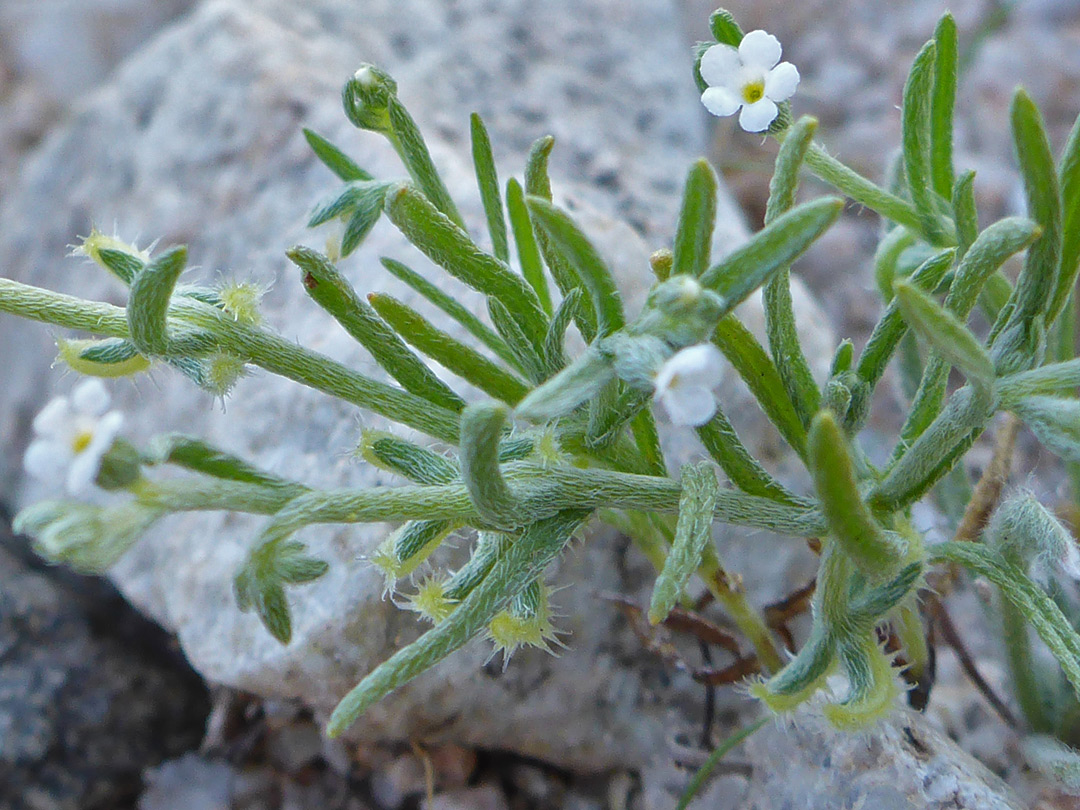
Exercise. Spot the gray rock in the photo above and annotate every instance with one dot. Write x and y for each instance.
(901, 763)
(88, 698)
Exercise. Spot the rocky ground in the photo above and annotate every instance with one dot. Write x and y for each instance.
(106, 112)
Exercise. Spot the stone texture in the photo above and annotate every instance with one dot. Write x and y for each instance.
(901, 763)
(90, 693)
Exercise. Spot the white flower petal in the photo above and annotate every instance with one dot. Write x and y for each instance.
(700, 364)
(689, 405)
(756, 117)
(720, 66)
(781, 82)
(82, 472)
(108, 427)
(54, 418)
(46, 460)
(760, 49)
(90, 398)
(721, 101)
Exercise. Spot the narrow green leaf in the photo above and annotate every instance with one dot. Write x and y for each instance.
(451, 307)
(915, 117)
(576, 384)
(861, 190)
(697, 217)
(942, 100)
(647, 440)
(417, 464)
(417, 159)
(849, 519)
(554, 357)
(148, 302)
(1055, 421)
(295, 567)
(692, 533)
(196, 455)
(1037, 293)
(462, 360)
(965, 212)
(481, 428)
(365, 216)
(528, 357)
(995, 296)
(532, 267)
(580, 254)
(1069, 179)
(724, 28)
(521, 563)
(774, 247)
(537, 183)
(334, 159)
(488, 181)
(780, 326)
(450, 247)
(273, 609)
(608, 420)
(357, 194)
(1055, 378)
(887, 259)
(331, 291)
(758, 372)
(723, 444)
(122, 264)
(952, 340)
(891, 328)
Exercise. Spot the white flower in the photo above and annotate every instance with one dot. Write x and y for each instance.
(72, 436)
(748, 77)
(685, 383)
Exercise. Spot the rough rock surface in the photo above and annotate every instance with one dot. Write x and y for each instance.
(90, 693)
(901, 763)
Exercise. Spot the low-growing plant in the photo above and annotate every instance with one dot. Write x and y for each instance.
(566, 440)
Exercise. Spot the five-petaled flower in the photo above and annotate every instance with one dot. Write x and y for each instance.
(748, 77)
(72, 435)
(685, 383)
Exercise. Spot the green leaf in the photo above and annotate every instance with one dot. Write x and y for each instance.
(363, 194)
(521, 563)
(891, 328)
(647, 439)
(527, 356)
(1037, 294)
(849, 519)
(334, 159)
(887, 259)
(724, 28)
(451, 307)
(1069, 178)
(692, 533)
(537, 183)
(329, 289)
(946, 64)
(532, 267)
(199, 456)
(965, 212)
(488, 181)
(760, 375)
(1055, 421)
(780, 325)
(273, 609)
(949, 336)
(417, 159)
(582, 257)
(722, 442)
(295, 567)
(1055, 378)
(462, 360)
(576, 384)
(450, 247)
(417, 464)
(774, 247)
(915, 116)
(122, 264)
(554, 357)
(693, 237)
(148, 303)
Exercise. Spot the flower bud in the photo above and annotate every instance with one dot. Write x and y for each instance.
(366, 98)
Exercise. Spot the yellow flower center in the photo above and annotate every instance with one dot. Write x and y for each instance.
(753, 91)
(81, 441)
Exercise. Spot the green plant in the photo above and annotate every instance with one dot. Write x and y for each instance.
(562, 439)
